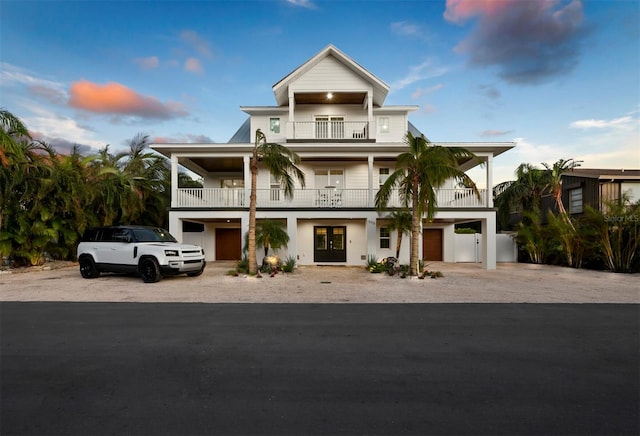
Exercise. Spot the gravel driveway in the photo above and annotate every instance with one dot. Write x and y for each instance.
(509, 283)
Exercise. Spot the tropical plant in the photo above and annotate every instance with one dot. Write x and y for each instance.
(282, 163)
(617, 234)
(534, 238)
(553, 178)
(524, 193)
(269, 234)
(399, 221)
(419, 172)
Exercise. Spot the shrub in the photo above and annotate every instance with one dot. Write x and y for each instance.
(289, 264)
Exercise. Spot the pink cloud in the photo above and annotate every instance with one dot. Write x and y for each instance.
(458, 11)
(193, 65)
(114, 98)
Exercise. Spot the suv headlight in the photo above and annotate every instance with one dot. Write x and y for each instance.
(171, 253)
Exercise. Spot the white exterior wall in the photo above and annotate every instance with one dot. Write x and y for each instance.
(329, 74)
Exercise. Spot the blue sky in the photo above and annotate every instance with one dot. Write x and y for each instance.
(559, 77)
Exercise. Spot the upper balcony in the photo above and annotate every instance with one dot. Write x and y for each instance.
(321, 199)
(329, 129)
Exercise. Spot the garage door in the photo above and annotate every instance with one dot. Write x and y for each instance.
(432, 244)
(228, 244)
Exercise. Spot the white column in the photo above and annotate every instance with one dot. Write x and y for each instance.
(489, 241)
(292, 231)
(174, 180)
(489, 180)
(370, 161)
(247, 181)
(372, 235)
(371, 132)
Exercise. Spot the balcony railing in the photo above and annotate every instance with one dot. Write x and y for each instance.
(329, 130)
(313, 198)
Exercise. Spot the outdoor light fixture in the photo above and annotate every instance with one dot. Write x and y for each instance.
(329, 95)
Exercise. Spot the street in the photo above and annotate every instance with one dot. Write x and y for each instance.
(191, 369)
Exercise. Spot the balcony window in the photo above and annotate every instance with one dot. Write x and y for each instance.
(333, 178)
(232, 183)
(383, 176)
(383, 124)
(274, 125)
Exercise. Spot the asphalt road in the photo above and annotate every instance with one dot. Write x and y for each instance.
(182, 369)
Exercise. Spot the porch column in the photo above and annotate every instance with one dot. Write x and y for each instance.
(292, 231)
(247, 181)
(371, 132)
(174, 180)
(489, 241)
(370, 161)
(372, 236)
(489, 180)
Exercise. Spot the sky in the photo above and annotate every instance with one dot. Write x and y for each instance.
(561, 78)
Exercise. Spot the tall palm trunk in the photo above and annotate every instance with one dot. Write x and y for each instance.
(252, 216)
(398, 245)
(415, 229)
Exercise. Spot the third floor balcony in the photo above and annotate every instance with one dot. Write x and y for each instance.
(329, 129)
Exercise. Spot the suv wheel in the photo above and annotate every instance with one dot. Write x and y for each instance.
(88, 268)
(150, 270)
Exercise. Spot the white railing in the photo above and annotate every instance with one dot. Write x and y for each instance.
(329, 129)
(325, 198)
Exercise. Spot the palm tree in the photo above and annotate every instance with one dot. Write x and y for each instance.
(269, 234)
(554, 183)
(525, 192)
(282, 163)
(400, 221)
(420, 171)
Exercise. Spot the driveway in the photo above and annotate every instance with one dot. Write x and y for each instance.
(509, 283)
(196, 369)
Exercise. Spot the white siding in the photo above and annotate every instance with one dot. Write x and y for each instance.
(330, 74)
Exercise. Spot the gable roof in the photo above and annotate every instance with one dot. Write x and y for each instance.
(380, 88)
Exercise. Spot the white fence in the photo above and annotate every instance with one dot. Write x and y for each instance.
(469, 248)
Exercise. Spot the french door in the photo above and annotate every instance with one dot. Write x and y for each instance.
(329, 244)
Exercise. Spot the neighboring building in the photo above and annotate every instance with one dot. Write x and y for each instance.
(596, 187)
(330, 111)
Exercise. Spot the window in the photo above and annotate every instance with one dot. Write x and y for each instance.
(274, 184)
(383, 176)
(232, 183)
(385, 238)
(575, 200)
(329, 178)
(383, 123)
(274, 125)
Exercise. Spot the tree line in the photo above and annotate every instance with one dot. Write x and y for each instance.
(48, 199)
(599, 238)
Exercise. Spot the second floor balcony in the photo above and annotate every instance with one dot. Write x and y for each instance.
(329, 129)
(324, 198)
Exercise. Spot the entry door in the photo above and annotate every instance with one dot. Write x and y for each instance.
(432, 244)
(330, 244)
(228, 244)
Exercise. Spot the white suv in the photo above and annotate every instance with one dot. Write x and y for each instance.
(150, 252)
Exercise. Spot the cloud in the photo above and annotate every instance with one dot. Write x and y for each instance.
(52, 95)
(114, 98)
(405, 28)
(308, 4)
(11, 75)
(198, 43)
(491, 133)
(185, 139)
(51, 127)
(489, 91)
(419, 92)
(62, 145)
(147, 63)
(626, 122)
(425, 70)
(529, 41)
(193, 65)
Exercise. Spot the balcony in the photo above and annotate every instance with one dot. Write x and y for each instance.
(329, 130)
(313, 198)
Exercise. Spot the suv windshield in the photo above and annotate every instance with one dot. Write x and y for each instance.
(153, 235)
